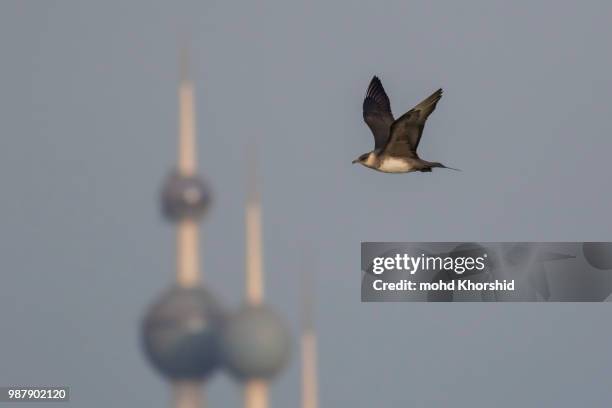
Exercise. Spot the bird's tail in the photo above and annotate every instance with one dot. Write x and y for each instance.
(444, 167)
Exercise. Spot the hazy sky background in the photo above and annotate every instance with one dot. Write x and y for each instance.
(88, 119)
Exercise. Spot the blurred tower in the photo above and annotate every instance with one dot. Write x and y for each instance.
(180, 331)
(256, 343)
(310, 391)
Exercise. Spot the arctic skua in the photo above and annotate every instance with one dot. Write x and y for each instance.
(396, 141)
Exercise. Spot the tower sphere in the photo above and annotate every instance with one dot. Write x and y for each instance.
(184, 196)
(255, 343)
(181, 333)
(598, 254)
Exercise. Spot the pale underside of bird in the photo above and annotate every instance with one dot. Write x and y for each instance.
(396, 141)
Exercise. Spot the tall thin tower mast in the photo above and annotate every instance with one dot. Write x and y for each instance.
(255, 389)
(310, 391)
(187, 393)
(256, 342)
(188, 273)
(180, 330)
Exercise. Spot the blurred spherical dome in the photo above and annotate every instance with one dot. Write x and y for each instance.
(181, 333)
(255, 343)
(598, 254)
(184, 197)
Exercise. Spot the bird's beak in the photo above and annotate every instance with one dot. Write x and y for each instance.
(355, 161)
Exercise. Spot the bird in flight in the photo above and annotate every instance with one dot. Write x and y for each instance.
(396, 141)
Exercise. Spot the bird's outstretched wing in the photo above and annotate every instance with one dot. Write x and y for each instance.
(377, 112)
(406, 131)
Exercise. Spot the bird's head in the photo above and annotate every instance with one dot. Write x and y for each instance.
(363, 159)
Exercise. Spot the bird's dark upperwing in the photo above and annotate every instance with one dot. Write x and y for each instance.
(377, 112)
(406, 131)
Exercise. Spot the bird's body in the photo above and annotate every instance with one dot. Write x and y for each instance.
(392, 164)
(385, 163)
(396, 141)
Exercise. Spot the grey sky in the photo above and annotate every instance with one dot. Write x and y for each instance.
(88, 131)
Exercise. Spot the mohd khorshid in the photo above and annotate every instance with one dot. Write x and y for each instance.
(459, 285)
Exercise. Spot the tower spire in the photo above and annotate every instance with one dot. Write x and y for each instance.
(246, 357)
(187, 239)
(187, 161)
(256, 390)
(192, 355)
(254, 250)
(308, 342)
